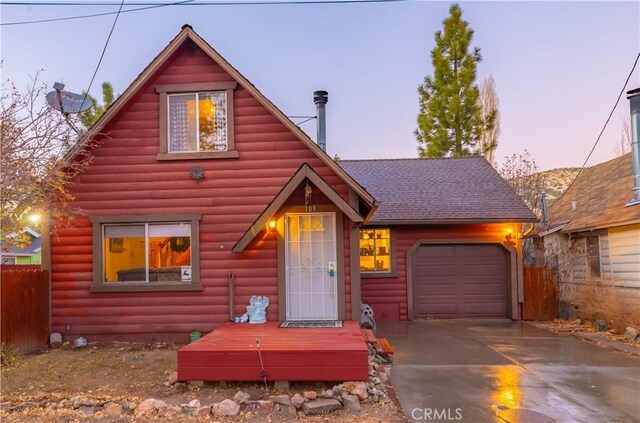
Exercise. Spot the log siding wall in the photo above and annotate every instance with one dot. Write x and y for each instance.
(125, 177)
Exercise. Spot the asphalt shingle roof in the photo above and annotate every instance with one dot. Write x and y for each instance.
(442, 190)
(601, 193)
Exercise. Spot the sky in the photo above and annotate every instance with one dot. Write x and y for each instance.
(558, 66)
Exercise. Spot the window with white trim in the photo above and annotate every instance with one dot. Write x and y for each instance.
(375, 250)
(197, 122)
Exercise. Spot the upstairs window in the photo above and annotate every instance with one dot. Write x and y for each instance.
(196, 121)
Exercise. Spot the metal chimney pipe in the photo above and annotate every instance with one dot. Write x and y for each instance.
(321, 98)
(543, 206)
(634, 100)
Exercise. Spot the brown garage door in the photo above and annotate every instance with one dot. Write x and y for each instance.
(461, 280)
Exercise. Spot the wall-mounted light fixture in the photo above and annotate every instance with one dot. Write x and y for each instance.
(509, 237)
(271, 225)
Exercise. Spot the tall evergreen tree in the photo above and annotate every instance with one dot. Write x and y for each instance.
(90, 117)
(450, 121)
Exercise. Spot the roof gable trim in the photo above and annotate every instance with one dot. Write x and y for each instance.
(304, 172)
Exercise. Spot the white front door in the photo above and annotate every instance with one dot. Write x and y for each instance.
(311, 266)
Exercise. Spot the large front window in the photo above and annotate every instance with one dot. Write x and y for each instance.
(375, 250)
(147, 252)
(197, 122)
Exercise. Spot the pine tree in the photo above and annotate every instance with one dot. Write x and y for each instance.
(450, 121)
(90, 117)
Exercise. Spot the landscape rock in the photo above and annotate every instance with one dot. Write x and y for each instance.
(351, 402)
(377, 392)
(601, 325)
(88, 410)
(173, 378)
(198, 383)
(358, 389)
(167, 409)
(310, 395)
(83, 401)
(146, 406)
(338, 390)
(241, 397)
(321, 406)
(281, 399)
(258, 405)
(202, 411)
(375, 398)
(297, 400)
(225, 408)
(384, 377)
(288, 410)
(194, 403)
(5, 405)
(631, 334)
(111, 409)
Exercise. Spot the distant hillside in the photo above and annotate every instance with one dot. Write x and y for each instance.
(556, 181)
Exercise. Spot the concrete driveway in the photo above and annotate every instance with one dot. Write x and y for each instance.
(471, 370)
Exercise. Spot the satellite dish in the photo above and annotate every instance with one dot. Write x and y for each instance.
(67, 102)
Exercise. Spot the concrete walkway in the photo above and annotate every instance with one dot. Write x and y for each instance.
(471, 370)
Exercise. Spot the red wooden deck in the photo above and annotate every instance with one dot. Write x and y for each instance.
(292, 354)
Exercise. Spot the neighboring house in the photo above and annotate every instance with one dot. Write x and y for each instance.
(202, 193)
(592, 232)
(28, 254)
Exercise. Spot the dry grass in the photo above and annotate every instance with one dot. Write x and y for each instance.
(9, 356)
(597, 301)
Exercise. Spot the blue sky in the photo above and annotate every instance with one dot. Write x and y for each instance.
(558, 66)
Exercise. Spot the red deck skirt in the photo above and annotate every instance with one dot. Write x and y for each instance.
(293, 354)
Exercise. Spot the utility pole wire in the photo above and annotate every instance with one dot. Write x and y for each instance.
(635, 63)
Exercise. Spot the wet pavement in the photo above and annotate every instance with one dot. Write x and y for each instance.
(470, 370)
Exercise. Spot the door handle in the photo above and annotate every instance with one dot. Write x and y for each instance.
(332, 268)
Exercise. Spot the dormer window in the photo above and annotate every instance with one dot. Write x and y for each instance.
(196, 121)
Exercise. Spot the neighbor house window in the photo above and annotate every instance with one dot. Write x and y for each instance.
(152, 251)
(593, 255)
(8, 260)
(196, 121)
(375, 250)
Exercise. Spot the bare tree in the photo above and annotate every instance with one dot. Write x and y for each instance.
(623, 146)
(489, 105)
(521, 172)
(35, 172)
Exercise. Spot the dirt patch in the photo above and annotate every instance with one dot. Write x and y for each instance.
(134, 372)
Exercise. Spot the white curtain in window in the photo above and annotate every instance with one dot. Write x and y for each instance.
(182, 123)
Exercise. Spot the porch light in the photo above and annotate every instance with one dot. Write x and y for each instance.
(508, 237)
(272, 225)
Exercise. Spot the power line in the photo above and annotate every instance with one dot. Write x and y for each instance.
(182, 3)
(603, 128)
(104, 49)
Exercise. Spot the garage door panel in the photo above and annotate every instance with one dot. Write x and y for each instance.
(463, 280)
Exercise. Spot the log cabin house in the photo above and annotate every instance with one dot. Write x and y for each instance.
(201, 193)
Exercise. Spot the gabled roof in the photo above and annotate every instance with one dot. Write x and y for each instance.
(601, 193)
(187, 32)
(304, 172)
(439, 191)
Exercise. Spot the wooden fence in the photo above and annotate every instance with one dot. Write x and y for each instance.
(24, 308)
(540, 294)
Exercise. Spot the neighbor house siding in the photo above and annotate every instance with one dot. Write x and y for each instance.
(126, 178)
(624, 247)
(605, 259)
(388, 296)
